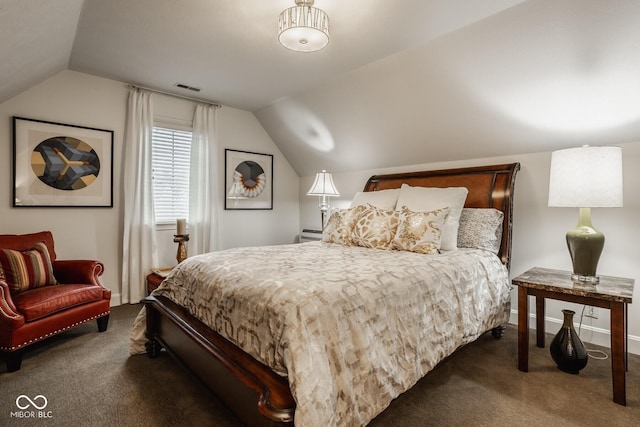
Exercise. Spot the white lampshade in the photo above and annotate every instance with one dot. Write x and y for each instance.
(586, 177)
(303, 28)
(323, 185)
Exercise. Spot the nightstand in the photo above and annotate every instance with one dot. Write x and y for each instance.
(156, 277)
(613, 293)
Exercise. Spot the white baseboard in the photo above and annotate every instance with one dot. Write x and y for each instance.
(588, 334)
(115, 300)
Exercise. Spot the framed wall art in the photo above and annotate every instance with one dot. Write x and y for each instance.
(248, 180)
(61, 165)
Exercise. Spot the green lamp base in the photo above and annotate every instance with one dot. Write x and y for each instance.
(585, 246)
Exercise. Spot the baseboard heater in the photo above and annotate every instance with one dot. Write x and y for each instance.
(310, 235)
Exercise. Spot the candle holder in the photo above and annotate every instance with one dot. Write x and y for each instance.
(181, 255)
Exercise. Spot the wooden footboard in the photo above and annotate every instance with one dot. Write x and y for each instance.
(257, 395)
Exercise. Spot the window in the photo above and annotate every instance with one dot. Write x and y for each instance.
(171, 152)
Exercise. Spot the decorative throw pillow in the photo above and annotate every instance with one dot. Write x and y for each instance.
(420, 232)
(481, 229)
(29, 269)
(381, 199)
(425, 199)
(375, 228)
(339, 227)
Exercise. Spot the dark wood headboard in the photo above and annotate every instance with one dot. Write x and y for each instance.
(489, 187)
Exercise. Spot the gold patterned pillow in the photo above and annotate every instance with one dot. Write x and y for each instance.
(375, 228)
(339, 227)
(420, 232)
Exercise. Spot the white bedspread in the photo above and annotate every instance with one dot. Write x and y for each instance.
(350, 327)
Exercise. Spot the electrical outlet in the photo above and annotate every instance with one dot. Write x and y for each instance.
(591, 312)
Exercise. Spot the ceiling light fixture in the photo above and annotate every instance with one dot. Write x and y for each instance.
(303, 28)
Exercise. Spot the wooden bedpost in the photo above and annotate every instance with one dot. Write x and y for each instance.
(152, 345)
(498, 331)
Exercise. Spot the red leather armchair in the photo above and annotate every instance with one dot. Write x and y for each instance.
(32, 315)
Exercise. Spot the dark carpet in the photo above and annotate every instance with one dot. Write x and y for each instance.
(88, 379)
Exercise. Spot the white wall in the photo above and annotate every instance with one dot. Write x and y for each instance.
(96, 233)
(539, 231)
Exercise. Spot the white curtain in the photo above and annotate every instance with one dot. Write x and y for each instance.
(139, 248)
(203, 182)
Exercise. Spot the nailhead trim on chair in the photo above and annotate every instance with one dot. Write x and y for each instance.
(24, 344)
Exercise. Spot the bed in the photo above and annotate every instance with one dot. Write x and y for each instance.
(348, 328)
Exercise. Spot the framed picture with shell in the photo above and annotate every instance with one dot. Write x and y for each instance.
(248, 180)
(61, 165)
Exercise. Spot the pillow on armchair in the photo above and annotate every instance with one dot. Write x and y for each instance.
(23, 270)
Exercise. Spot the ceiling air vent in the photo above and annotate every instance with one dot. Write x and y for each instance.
(184, 86)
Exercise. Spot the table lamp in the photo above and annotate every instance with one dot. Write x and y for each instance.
(323, 187)
(586, 177)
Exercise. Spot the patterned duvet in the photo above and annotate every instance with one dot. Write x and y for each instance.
(350, 327)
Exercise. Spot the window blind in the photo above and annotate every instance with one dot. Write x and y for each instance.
(171, 152)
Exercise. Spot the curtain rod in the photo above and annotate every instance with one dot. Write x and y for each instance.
(202, 101)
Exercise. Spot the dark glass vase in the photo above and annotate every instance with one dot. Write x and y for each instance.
(567, 350)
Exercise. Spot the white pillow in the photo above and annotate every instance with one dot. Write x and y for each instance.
(425, 199)
(382, 199)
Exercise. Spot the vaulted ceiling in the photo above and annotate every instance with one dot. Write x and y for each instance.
(402, 82)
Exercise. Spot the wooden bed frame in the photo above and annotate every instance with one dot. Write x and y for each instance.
(256, 394)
